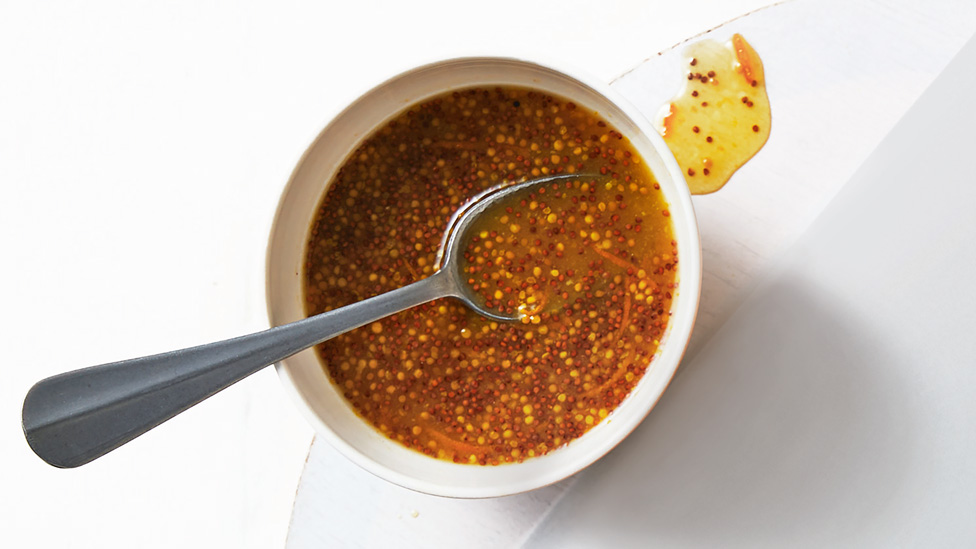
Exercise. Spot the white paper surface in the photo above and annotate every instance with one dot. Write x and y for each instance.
(834, 408)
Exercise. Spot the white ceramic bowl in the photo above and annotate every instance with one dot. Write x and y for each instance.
(302, 374)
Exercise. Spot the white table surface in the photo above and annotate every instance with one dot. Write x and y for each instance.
(143, 146)
(142, 150)
(833, 408)
(808, 411)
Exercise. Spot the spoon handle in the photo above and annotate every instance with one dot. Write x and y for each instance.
(75, 417)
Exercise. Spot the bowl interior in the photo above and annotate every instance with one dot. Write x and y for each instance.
(303, 375)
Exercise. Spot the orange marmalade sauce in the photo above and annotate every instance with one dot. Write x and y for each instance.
(722, 117)
(591, 263)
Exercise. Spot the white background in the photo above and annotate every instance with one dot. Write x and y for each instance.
(143, 146)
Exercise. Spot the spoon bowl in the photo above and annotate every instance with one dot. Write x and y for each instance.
(449, 254)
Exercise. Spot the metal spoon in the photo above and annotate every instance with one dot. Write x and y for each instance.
(75, 417)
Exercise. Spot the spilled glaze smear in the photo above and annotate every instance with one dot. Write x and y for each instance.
(721, 118)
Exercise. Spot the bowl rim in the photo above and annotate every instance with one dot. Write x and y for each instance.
(690, 274)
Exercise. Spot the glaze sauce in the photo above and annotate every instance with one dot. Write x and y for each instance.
(721, 118)
(590, 263)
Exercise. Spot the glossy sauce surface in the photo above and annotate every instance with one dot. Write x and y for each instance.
(591, 263)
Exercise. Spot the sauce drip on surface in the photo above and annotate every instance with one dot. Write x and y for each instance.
(591, 263)
(721, 118)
